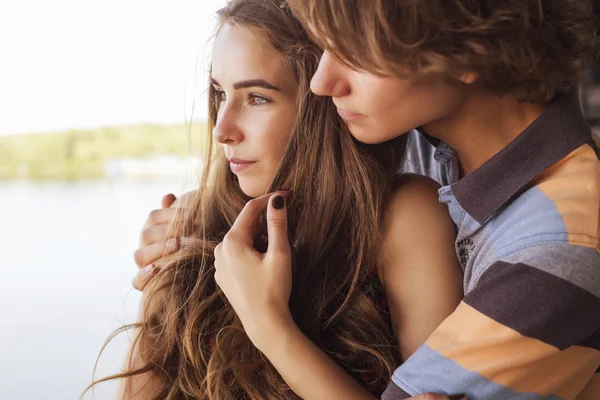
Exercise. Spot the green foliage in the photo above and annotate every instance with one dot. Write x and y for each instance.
(81, 154)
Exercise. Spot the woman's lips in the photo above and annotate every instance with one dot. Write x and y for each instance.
(348, 116)
(238, 165)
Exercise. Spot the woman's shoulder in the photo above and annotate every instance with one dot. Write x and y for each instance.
(417, 223)
(414, 195)
(415, 212)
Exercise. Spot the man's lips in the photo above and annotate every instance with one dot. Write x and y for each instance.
(348, 115)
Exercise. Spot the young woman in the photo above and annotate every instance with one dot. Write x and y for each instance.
(343, 203)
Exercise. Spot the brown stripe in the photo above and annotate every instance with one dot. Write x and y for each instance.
(393, 392)
(594, 145)
(592, 342)
(556, 133)
(536, 304)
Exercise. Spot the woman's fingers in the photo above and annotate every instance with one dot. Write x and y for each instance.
(247, 224)
(277, 226)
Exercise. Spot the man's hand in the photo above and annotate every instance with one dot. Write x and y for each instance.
(159, 238)
(433, 396)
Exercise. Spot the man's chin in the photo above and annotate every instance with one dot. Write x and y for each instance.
(368, 135)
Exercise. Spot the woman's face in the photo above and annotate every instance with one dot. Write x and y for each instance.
(257, 106)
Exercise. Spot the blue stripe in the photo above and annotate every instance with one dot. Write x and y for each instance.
(529, 220)
(429, 371)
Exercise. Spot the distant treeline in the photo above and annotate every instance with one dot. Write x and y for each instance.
(81, 154)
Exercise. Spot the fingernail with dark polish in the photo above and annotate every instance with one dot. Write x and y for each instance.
(278, 202)
(457, 397)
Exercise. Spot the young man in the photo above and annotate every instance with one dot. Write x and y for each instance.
(490, 86)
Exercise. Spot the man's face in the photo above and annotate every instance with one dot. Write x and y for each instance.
(378, 109)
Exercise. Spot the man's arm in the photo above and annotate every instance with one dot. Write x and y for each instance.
(529, 329)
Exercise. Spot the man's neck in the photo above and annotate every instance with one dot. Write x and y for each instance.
(482, 126)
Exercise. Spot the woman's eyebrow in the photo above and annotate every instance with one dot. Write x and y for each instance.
(248, 84)
(255, 83)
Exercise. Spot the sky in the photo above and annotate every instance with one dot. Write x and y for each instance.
(76, 64)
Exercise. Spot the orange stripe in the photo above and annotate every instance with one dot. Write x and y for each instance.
(573, 184)
(592, 390)
(502, 355)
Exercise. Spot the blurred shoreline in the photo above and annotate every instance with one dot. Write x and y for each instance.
(133, 152)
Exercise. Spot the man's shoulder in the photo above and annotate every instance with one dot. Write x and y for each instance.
(553, 225)
(562, 205)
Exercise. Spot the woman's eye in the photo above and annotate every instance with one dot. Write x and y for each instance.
(258, 100)
(220, 96)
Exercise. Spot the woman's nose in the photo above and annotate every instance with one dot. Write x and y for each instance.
(227, 131)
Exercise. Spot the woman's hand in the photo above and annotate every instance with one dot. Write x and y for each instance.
(257, 285)
(158, 238)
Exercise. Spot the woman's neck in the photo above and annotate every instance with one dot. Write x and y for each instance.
(482, 126)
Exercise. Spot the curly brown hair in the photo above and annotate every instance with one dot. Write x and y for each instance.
(189, 338)
(526, 48)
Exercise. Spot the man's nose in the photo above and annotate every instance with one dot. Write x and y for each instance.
(329, 79)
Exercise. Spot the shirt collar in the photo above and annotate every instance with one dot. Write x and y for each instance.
(552, 136)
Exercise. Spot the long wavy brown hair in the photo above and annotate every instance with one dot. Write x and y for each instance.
(189, 338)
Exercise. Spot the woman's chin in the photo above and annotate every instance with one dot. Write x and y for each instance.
(252, 190)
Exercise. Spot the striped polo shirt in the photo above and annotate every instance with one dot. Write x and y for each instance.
(528, 241)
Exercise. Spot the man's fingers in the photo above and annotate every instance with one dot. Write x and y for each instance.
(150, 254)
(168, 200)
(143, 276)
(159, 233)
(434, 396)
(277, 225)
(161, 216)
(159, 238)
